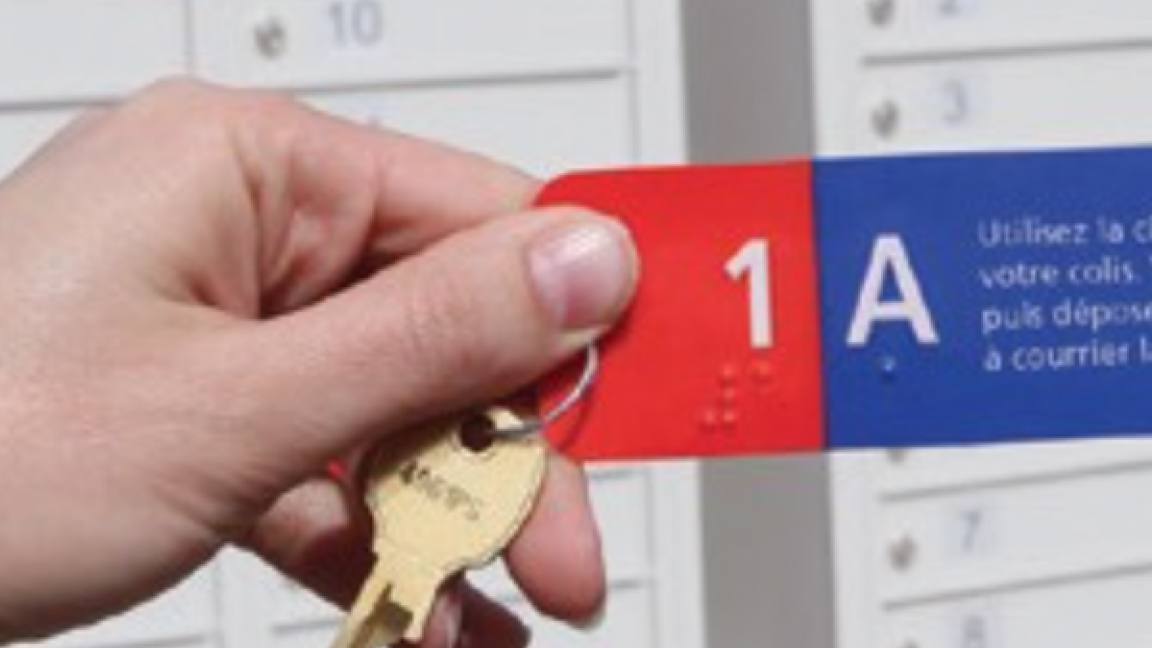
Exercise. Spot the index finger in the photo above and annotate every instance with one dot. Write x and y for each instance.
(259, 176)
(422, 190)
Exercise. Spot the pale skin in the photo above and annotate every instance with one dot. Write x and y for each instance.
(209, 294)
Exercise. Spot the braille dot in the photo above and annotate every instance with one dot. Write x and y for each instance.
(729, 418)
(729, 396)
(762, 372)
(888, 367)
(729, 373)
(710, 420)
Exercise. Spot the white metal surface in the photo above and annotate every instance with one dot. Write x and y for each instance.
(1013, 535)
(549, 85)
(62, 50)
(22, 132)
(1011, 103)
(584, 121)
(1109, 612)
(304, 43)
(913, 28)
(917, 471)
(1008, 547)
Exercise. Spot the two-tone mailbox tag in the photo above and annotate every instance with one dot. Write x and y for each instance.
(899, 302)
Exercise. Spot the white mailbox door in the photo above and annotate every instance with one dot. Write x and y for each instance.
(550, 85)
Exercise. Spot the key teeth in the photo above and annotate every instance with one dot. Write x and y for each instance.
(406, 602)
(359, 632)
(376, 620)
(364, 634)
(392, 615)
(374, 636)
(415, 619)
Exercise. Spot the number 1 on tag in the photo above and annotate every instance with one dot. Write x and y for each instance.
(754, 260)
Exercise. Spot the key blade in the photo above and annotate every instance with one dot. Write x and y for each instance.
(412, 587)
(365, 633)
(375, 620)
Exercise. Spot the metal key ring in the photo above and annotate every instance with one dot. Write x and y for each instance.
(578, 393)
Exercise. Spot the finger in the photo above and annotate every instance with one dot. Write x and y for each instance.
(557, 558)
(329, 192)
(476, 317)
(463, 617)
(420, 191)
(445, 623)
(291, 149)
(239, 186)
(353, 197)
(488, 624)
(318, 536)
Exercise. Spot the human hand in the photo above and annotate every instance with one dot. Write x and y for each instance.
(209, 294)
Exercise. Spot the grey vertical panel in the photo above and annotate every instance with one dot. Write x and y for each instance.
(767, 546)
(749, 79)
(767, 536)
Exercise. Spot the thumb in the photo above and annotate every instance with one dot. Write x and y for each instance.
(473, 318)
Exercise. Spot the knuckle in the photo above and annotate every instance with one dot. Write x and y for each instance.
(212, 128)
(172, 108)
(180, 92)
(266, 123)
(265, 106)
(191, 104)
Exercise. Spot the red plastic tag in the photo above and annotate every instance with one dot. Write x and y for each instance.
(720, 354)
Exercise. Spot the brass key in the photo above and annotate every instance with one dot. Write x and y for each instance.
(450, 498)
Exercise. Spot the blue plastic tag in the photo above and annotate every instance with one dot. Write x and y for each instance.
(984, 298)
